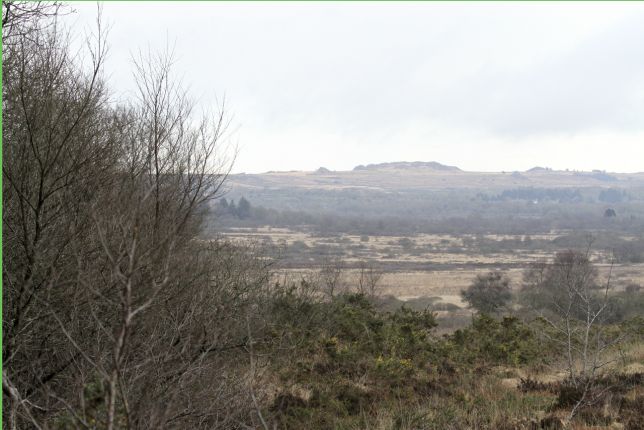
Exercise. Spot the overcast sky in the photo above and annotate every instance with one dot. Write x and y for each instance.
(486, 87)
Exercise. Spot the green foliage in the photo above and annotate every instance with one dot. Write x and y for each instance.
(489, 341)
(365, 368)
(391, 303)
(634, 327)
(351, 353)
(356, 360)
(242, 210)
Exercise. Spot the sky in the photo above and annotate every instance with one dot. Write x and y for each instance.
(482, 86)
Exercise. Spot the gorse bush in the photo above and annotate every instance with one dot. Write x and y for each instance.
(490, 341)
(356, 358)
(359, 367)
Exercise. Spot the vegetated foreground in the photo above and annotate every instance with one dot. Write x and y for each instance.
(395, 344)
(431, 270)
(357, 367)
(131, 302)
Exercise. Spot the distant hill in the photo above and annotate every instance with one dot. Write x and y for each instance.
(430, 175)
(539, 169)
(409, 197)
(402, 165)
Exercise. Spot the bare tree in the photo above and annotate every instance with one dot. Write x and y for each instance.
(576, 308)
(21, 19)
(368, 279)
(116, 315)
(57, 149)
(331, 276)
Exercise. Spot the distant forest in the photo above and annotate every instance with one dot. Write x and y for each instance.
(511, 211)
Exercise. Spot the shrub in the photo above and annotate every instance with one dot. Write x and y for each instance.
(488, 341)
(488, 293)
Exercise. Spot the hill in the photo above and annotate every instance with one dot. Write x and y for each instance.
(431, 176)
(409, 197)
(406, 165)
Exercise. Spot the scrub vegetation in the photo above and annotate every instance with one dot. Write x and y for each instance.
(141, 291)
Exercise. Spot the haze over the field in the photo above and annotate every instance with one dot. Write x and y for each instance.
(487, 87)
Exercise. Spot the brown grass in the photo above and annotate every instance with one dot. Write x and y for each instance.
(454, 270)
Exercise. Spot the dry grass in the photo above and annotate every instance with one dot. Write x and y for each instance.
(452, 266)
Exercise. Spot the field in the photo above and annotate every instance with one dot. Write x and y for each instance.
(425, 268)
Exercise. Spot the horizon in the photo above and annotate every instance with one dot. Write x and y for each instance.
(547, 168)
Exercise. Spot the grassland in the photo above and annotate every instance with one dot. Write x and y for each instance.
(425, 270)
(424, 265)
